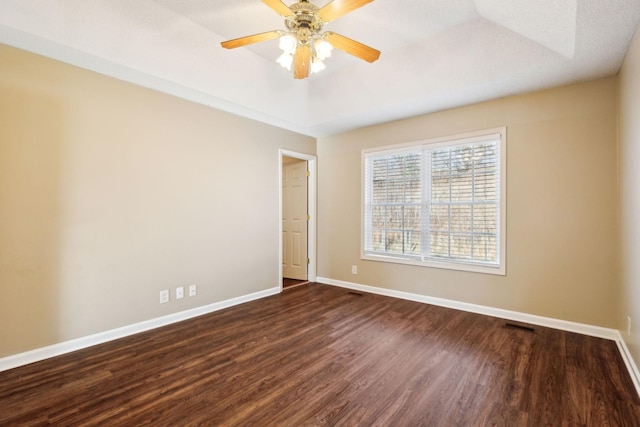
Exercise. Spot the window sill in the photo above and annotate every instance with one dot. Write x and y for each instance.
(498, 270)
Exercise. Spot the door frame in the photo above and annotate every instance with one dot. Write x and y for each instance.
(311, 206)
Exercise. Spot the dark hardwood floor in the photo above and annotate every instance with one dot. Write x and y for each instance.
(292, 283)
(320, 355)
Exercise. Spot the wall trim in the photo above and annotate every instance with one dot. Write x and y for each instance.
(629, 362)
(563, 325)
(65, 347)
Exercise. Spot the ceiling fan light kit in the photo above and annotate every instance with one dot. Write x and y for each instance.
(304, 46)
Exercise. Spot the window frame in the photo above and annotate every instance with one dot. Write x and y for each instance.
(430, 144)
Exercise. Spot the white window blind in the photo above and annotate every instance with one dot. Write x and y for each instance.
(393, 197)
(437, 203)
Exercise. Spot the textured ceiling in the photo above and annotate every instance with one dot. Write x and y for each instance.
(436, 54)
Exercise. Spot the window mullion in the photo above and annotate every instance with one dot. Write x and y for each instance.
(450, 200)
(404, 200)
(473, 199)
(425, 204)
(386, 205)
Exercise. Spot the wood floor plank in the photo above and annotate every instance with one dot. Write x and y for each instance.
(318, 355)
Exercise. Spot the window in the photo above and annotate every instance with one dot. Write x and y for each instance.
(437, 203)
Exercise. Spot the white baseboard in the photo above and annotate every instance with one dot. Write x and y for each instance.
(43, 353)
(629, 362)
(563, 325)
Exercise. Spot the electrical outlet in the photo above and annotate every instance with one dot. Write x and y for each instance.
(192, 291)
(180, 292)
(629, 325)
(164, 296)
(354, 269)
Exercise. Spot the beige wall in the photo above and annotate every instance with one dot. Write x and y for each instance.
(561, 205)
(629, 134)
(110, 193)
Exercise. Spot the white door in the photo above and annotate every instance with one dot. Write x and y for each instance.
(294, 219)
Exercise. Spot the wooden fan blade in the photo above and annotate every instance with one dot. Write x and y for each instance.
(302, 62)
(280, 8)
(243, 41)
(352, 47)
(338, 8)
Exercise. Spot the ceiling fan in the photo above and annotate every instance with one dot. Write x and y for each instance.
(304, 45)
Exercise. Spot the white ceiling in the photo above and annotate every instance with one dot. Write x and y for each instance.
(436, 54)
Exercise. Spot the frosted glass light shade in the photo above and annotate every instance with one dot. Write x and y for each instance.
(323, 49)
(288, 44)
(317, 65)
(285, 60)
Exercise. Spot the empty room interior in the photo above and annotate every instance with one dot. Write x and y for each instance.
(346, 212)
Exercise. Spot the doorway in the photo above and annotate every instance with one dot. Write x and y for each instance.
(297, 219)
(294, 221)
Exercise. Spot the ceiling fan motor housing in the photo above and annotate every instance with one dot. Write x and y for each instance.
(304, 21)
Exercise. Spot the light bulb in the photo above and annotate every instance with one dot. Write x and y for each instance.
(323, 48)
(285, 60)
(288, 43)
(317, 65)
